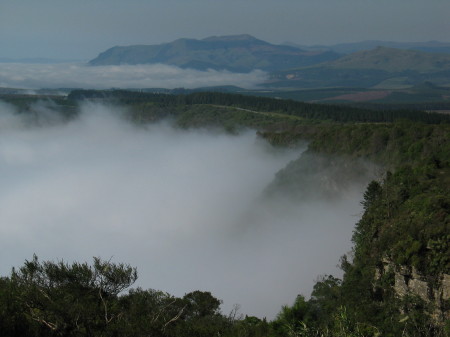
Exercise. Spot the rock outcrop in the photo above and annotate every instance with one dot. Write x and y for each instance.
(408, 281)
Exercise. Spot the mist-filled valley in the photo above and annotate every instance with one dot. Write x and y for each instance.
(207, 168)
(192, 209)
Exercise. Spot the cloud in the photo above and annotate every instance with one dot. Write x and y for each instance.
(73, 75)
(184, 207)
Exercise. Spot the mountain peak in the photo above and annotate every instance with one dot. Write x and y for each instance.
(239, 53)
(240, 37)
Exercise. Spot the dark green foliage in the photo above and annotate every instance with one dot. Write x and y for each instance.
(58, 299)
(261, 104)
(293, 319)
(250, 326)
(372, 194)
(201, 304)
(325, 298)
(406, 222)
(26, 105)
(69, 300)
(147, 312)
(13, 319)
(409, 220)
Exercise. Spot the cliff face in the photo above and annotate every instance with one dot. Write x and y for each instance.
(408, 281)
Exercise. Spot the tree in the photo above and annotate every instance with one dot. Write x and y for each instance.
(149, 313)
(12, 320)
(372, 193)
(72, 299)
(202, 303)
(201, 316)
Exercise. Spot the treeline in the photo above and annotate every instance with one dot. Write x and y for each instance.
(421, 106)
(263, 104)
(47, 299)
(388, 144)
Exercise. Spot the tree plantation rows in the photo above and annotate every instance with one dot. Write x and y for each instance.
(263, 104)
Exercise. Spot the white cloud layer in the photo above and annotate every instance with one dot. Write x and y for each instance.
(183, 207)
(73, 75)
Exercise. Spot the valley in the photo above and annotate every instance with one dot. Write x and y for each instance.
(399, 157)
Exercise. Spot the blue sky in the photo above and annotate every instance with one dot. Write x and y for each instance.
(82, 29)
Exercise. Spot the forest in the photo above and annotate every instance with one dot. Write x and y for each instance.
(396, 279)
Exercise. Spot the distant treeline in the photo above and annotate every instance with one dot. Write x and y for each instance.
(262, 104)
(425, 106)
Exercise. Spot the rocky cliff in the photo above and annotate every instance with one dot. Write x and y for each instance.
(409, 282)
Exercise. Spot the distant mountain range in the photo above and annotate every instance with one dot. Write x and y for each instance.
(393, 60)
(237, 53)
(347, 48)
(292, 67)
(380, 67)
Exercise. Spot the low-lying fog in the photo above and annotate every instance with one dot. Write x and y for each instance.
(73, 75)
(184, 207)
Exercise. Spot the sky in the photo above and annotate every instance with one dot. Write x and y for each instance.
(80, 30)
(185, 207)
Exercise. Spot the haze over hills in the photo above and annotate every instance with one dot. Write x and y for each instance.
(247, 62)
(37, 60)
(292, 67)
(393, 60)
(238, 53)
(383, 67)
(351, 47)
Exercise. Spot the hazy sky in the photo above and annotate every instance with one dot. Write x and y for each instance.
(82, 29)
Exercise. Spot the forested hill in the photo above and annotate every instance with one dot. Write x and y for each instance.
(262, 104)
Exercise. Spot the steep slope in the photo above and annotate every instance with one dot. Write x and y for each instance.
(240, 53)
(397, 277)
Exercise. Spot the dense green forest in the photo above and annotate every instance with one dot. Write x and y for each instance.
(396, 277)
(396, 280)
(261, 104)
